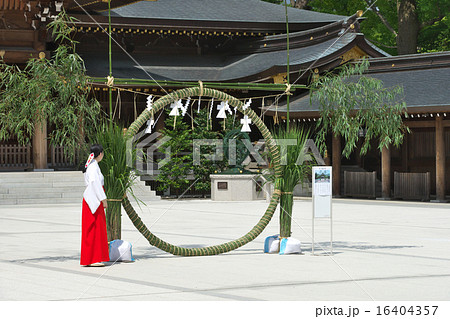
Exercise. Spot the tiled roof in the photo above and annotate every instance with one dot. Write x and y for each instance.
(425, 82)
(220, 10)
(213, 67)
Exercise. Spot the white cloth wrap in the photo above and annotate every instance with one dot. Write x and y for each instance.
(120, 250)
(94, 181)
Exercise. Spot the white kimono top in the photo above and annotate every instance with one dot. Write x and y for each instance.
(94, 182)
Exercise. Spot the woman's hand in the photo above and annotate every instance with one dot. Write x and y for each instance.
(105, 203)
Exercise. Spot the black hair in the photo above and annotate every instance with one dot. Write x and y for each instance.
(96, 149)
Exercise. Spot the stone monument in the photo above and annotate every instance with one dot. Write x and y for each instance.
(236, 183)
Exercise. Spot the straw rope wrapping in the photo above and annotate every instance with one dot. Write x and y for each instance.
(265, 219)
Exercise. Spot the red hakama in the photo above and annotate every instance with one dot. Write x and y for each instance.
(94, 241)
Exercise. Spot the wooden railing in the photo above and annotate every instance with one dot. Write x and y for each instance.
(58, 158)
(360, 184)
(15, 157)
(412, 186)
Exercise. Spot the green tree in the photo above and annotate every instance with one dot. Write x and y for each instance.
(350, 101)
(398, 27)
(54, 91)
(179, 148)
(206, 166)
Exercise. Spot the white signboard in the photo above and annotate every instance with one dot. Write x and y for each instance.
(322, 191)
(322, 181)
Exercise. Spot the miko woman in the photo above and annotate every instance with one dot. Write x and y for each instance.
(94, 241)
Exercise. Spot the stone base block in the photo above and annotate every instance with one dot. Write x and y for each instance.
(245, 187)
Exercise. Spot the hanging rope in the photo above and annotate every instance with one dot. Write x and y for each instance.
(194, 100)
(192, 117)
(235, 111)
(200, 83)
(275, 118)
(135, 106)
(199, 96)
(262, 110)
(160, 113)
(118, 102)
(117, 200)
(209, 121)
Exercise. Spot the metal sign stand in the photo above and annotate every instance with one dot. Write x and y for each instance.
(321, 199)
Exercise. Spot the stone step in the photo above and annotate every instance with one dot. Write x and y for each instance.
(69, 183)
(21, 175)
(72, 189)
(44, 184)
(37, 180)
(47, 175)
(66, 189)
(36, 194)
(31, 195)
(62, 198)
(76, 189)
(73, 195)
(145, 198)
(54, 187)
(55, 195)
(9, 201)
(26, 185)
(21, 201)
(138, 191)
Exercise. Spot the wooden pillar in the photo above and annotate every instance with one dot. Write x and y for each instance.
(440, 160)
(386, 172)
(336, 162)
(160, 124)
(358, 156)
(38, 42)
(326, 158)
(405, 154)
(40, 145)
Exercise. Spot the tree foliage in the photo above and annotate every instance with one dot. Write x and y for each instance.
(381, 24)
(55, 90)
(174, 174)
(179, 147)
(206, 166)
(351, 101)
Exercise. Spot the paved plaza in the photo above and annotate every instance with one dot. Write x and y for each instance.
(383, 250)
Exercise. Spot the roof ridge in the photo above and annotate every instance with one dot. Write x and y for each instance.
(410, 62)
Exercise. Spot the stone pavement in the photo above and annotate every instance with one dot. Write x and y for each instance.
(384, 250)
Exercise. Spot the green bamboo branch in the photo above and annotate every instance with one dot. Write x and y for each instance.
(212, 85)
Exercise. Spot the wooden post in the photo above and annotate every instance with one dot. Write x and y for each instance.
(386, 172)
(336, 162)
(440, 160)
(160, 124)
(326, 158)
(358, 156)
(40, 145)
(405, 154)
